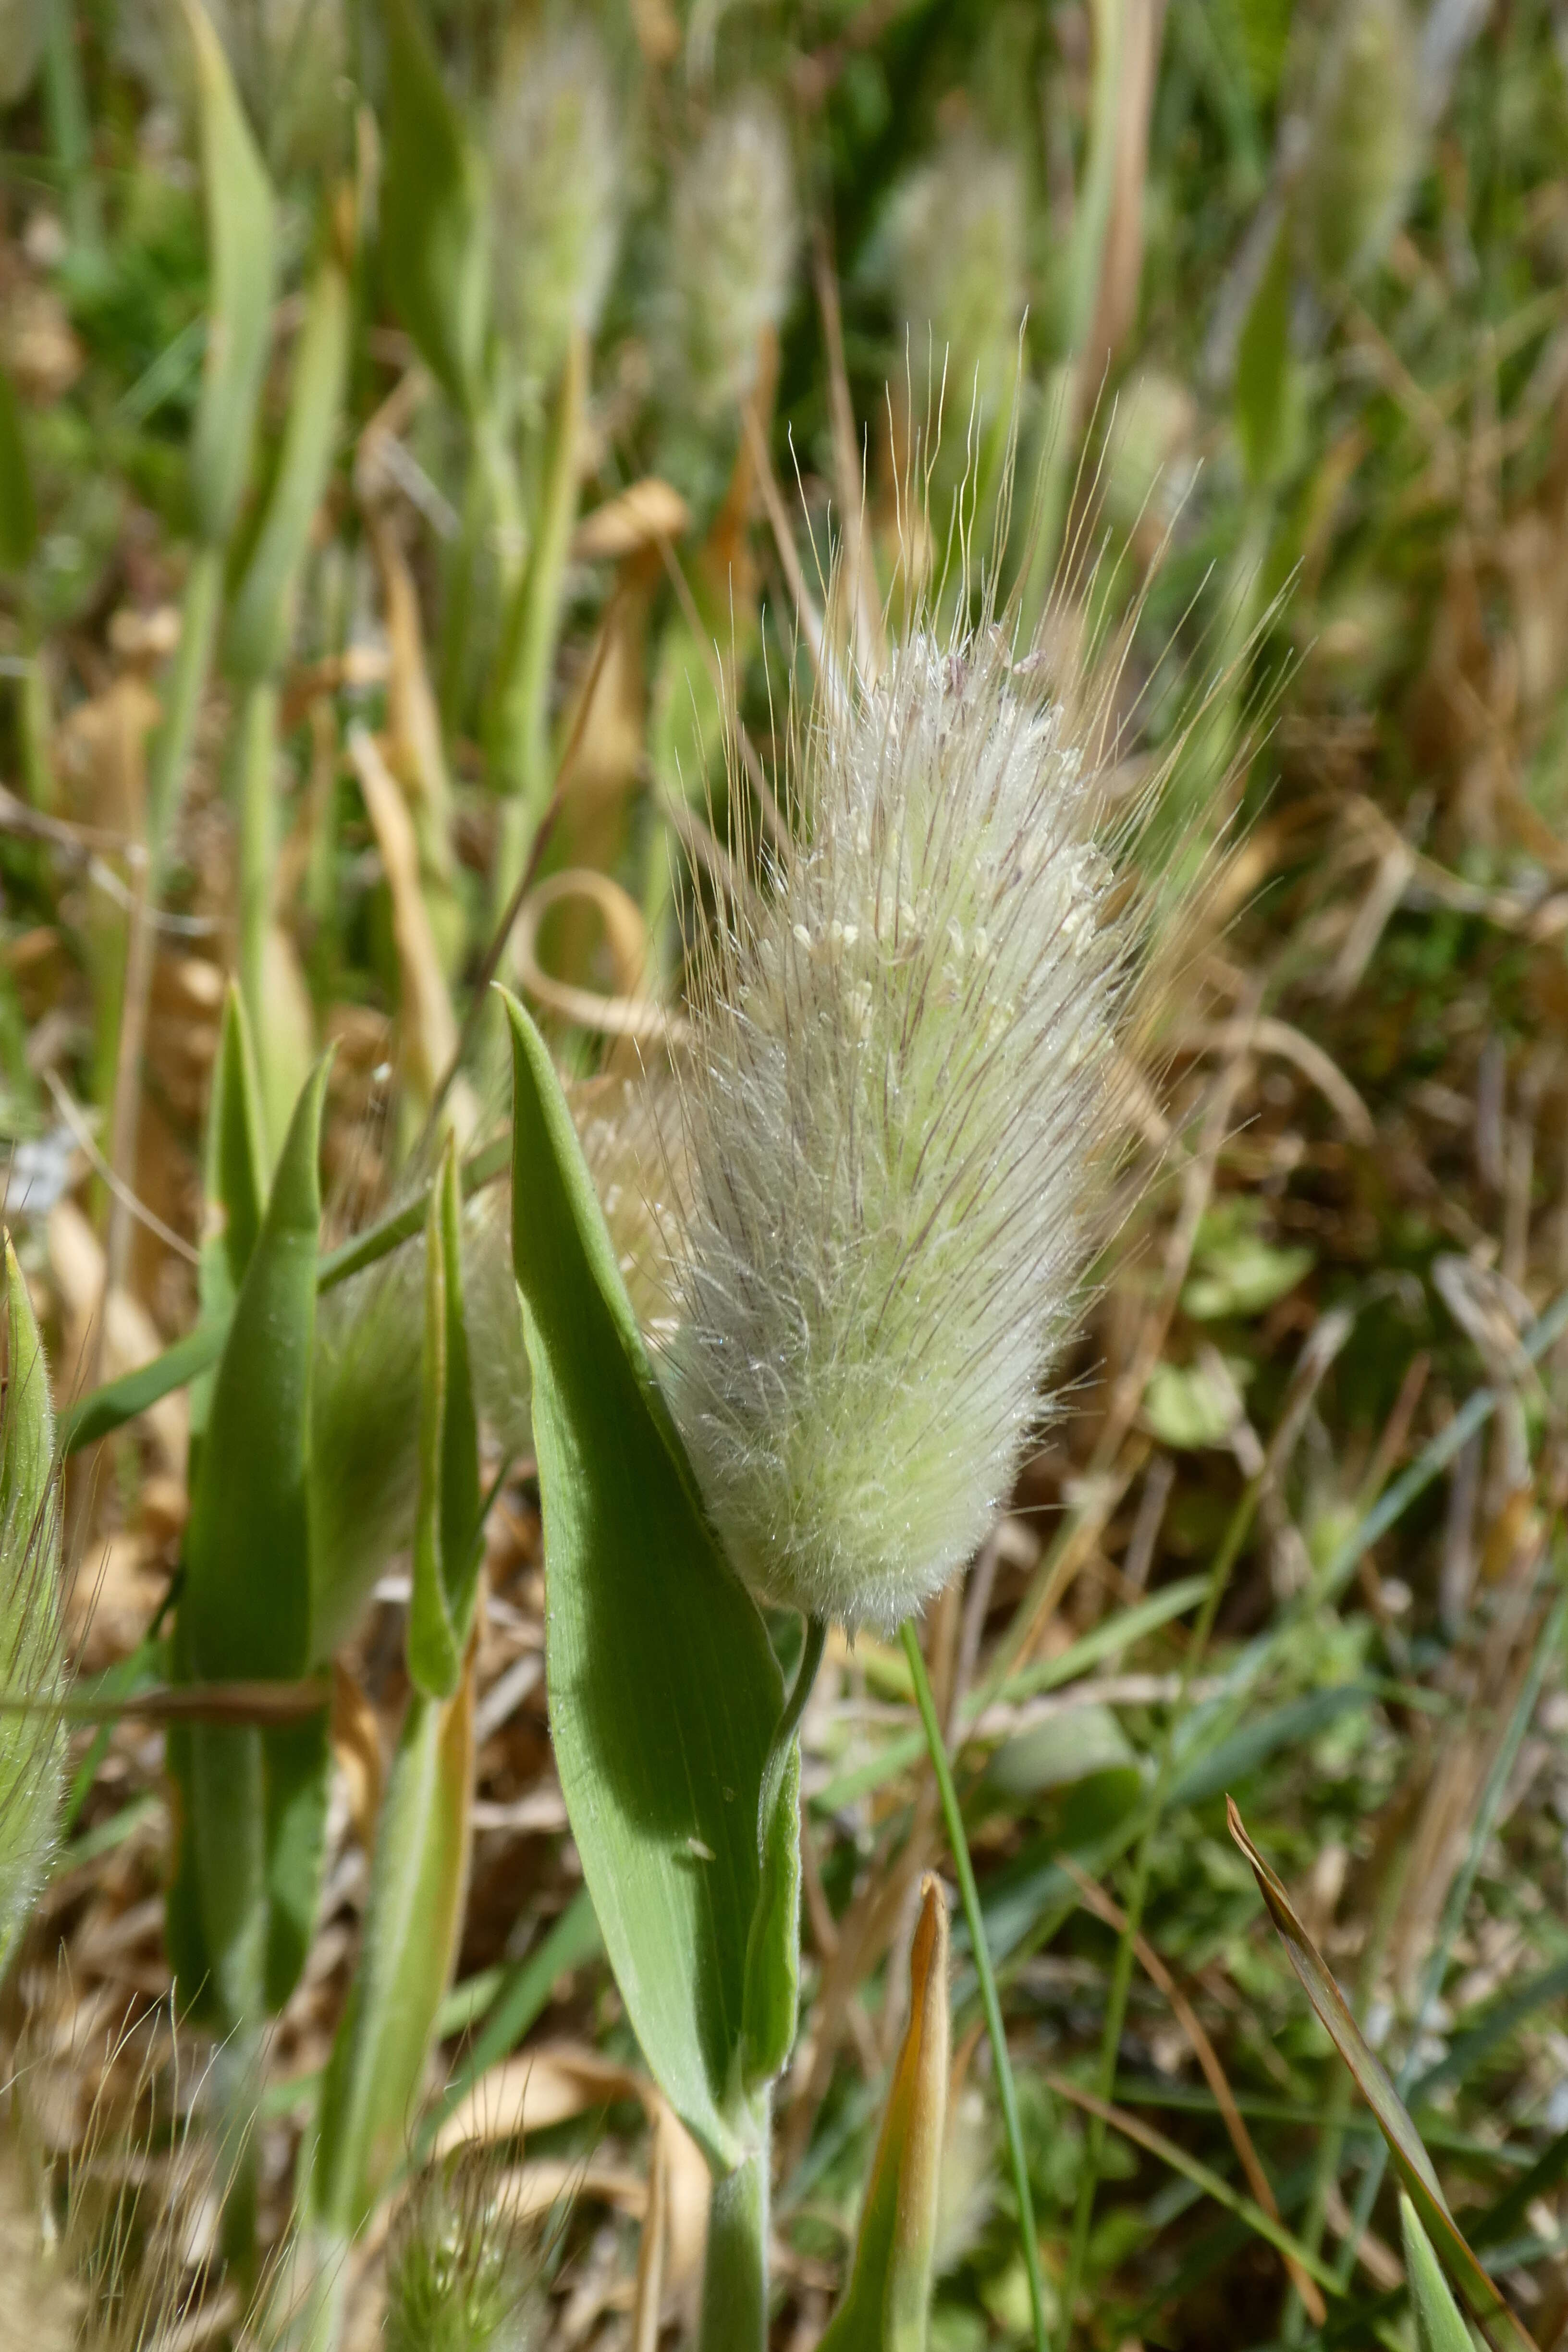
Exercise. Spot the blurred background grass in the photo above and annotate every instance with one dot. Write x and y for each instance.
(1270, 303)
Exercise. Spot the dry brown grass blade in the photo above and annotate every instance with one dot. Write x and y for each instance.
(428, 1023)
(1104, 1907)
(627, 1012)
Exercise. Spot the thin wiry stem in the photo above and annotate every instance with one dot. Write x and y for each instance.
(953, 1815)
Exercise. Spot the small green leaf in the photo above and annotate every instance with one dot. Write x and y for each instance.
(887, 2305)
(772, 1948)
(32, 1739)
(262, 613)
(26, 1417)
(1439, 2322)
(412, 1923)
(236, 1157)
(434, 244)
(242, 243)
(1411, 2160)
(448, 1515)
(1263, 413)
(1186, 1407)
(664, 1691)
(18, 513)
(247, 1571)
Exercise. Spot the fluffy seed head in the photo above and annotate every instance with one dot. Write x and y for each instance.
(955, 240)
(554, 142)
(1364, 140)
(733, 232)
(461, 2270)
(902, 1091)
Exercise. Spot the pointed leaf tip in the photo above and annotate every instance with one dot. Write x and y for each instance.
(887, 2304)
(1411, 2160)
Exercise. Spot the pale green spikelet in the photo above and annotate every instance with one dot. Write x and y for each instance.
(733, 232)
(554, 149)
(1149, 451)
(1363, 144)
(462, 2273)
(955, 239)
(32, 1737)
(903, 1087)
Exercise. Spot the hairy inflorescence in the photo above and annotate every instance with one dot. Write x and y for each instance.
(901, 1097)
(555, 151)
(733, 236)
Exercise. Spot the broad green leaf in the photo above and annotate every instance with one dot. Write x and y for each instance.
(242, 246)
(1411, 2160)
(886, 2307)
(447, 1519)
(1263, 371)
(434, 244)
(1439, 2320)
(262, 613)
(18, 513)
(248, 1570)
(234, 1193)
(412, 1919)
(663, 1692)
(251, 1800)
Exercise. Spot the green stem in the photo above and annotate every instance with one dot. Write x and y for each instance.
(953, 1815)
(255, 791)
(187, 676)
(519, 732)
(1224, 1561)
(735, 2278)
(65, 103)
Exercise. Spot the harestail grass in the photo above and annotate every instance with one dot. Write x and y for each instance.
(733, 231)
(554, 151)
(902, 1097)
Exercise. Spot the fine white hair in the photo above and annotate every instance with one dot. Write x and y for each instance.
(897, 1115)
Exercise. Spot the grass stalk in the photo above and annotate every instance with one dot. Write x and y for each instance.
(969, 1894)
(735, 2278)
(520, 720)
(182, 702)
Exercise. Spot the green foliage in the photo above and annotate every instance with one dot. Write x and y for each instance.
(253, 1799)
(32, 1739)
(447, 1532)
(262, 611)
(434, 217)
(663, 1689)
(242, 241)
